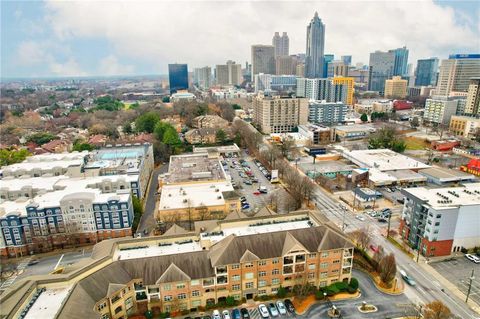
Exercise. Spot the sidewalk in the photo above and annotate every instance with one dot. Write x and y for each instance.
(423, 263)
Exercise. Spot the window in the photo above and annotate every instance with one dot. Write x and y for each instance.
(275, 271)
(262, 283)
(249, 265)
(235, 266)
(336, 261)
(249, 275)
(262, 273)
(195, 282)
(195, 293)
(182, 296)
(236, 278)
(439, 215)
(249, 285)
(262, 262)
(167, 298)
(324, 254)
(235, 287)
(323, 274)
(324, 265)
(262, 292)
(312, 255)
(181, 285)
(311, 275)
(437, 224)
(311, 266)
(275, 261)
(167, 287)
(275, 281)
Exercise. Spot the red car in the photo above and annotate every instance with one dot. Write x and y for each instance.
(374, 248)
(256, 193)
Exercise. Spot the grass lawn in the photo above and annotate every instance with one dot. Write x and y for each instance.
(414, 143)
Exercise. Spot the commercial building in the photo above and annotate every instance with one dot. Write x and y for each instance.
(464, 126)
(209, 121)
(229, 73)
(439, 110)
(456, 72)
(439, 221)
(263, 59)
(182, 96)
(401, 61)
(472, 105)
(349, 84)
(322, 90)
(352, 132)
(347, 59)
(316, 134)
(396, 87)
(337, 68)
(300, 70)
(196, 188)
(181, 270)
(382, 65)
(327, 58)
(178, 77)
(275, 114)
(444, 176)
(314, 60)
(202, 77)
(426, 72)
(285, 65)
(281, 44)
(279, 83)
(321, 112)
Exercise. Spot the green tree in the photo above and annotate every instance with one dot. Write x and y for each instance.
(237, 139)
(108, 103)
(137, 212)
(386, 137)
(160, 129)
(414, 123)
(146, 122)
(170, 138)
(221, 136)
(281, 292)
(364, 117)
(81, 146)
(166, 99)
(41, 138)
(236, 107)
(127, 128)
(12, 156)
(230, 301)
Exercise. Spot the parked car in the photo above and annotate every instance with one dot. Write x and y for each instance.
(243, 198)
(236, 314)
(273, 310)
(407, 279)
(247, 182)
(473, 258)
(262, 309)
(33, 262)
(360, 217)
(289, 305)
(262, 189)
(245, 314)
(382, 220)
(216, 315)
(256, 193)
(281, 307)
(246, 206)
(226, 314)
(206, 317)
(374, 248)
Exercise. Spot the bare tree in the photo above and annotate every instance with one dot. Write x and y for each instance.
(436, 310)
(388, 268)
(362, 238)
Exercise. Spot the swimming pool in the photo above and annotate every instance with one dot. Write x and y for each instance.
(117, 155)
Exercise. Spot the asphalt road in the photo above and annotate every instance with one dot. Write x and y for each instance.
(147, 222)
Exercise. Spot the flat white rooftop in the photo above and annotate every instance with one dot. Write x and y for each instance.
(42, 165)
(40, 183)
(48, 303)
(383, 160)
(193, 195)
(157, 250)
(469, 194)
(56, 157)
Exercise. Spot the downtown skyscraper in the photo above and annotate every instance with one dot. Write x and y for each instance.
(401, 61)
(314, 60)
(426, 73)
(281, 44)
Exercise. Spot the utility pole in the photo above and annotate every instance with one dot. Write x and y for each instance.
(470, 284)
(419, 247)
(388, 228)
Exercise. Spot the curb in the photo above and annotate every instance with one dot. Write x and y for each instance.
(378, 288)
(323, 301)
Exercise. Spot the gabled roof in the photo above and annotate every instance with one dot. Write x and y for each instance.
(175, 230)
(248, 256)
(236, 215)
(291, 243)
(219, 249)
(113, 288)
(265, 211)
(173, 274)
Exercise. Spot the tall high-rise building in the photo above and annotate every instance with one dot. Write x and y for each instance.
(396, 87)
(456, 72)
(347, 59)
(228, 74)
(263, 59)
(275, 114)
(321, 112)
(472, 106)
(337, 68)
(300, 70)
(314, 59)
(327, 58)
(349, 84)
(285, 65)
(178, 77)
(381, 69)
(401, 61)
(426, 73)
(202, 77)
(321, 90)
(281, 44)
(279, 83)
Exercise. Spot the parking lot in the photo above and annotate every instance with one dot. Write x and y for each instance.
(458, 272)
(256, 202)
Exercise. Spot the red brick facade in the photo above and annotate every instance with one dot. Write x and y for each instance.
(436, 248)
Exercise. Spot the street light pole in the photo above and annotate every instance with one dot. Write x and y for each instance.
(470, 285)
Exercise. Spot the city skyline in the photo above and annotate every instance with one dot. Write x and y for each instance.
(43, 39)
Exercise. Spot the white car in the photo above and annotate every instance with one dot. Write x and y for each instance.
(281, 307)
(262, 309)
(225, 314)
(360, 217)
(473, 258)
(216, 314)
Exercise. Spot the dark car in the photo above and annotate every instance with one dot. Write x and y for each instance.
(206, 317)
(289, 305)
(245, 314)
(382, 220)
(236, 314)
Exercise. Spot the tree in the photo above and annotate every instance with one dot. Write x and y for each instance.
(281, 292)
(364, 117)
(41, 138)
(415, 122)
(137, 212)
(146, 122)
(166, 99)
(170, 137)
(12, 156)
(127, 128)
(108, 103)
(386, 137)
(160, 129)
(388, 268)
(362, 238)
(81, 146)
(221, 136)
(436, 310)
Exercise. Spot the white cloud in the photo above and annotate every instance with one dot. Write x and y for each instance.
(111, 66)
(31, 53)
(67, 68)
(208, 33)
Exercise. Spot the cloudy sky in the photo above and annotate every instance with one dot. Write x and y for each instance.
(88, 38)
